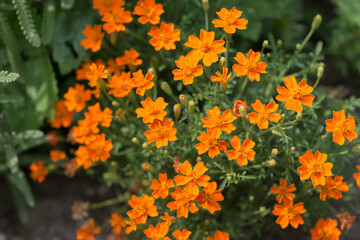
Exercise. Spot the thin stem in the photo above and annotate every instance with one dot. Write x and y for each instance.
(135, 35)
(321, 141)
(199, 91)
(306, 39)
(316, 83)
(206, 21)
(339, 153)
(227, 42)
(242, 86)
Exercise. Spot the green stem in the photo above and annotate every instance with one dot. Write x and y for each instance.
(135, 35)
(199, 91)
(242, 86)
(316, 83)
(339, 153)
(206, 21)
(306, 39)
(227, 42)
(321, 141)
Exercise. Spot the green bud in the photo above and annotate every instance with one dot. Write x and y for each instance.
(274, 152)
(205, 5)
(222, 63)
(166, 88)
(316, 22)
(356, 148)
(177, 111)
(265, 43)
(320, 72)
(191, 106)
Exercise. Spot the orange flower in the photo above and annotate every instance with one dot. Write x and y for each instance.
(333, 188)
(70, 168)
(209, 143)
(161, 187)
(130, 58)
(341, 127)
(240, 106)
(83, 157)
(230, 20)
(192, 176)
(157, 233)
(115, 19)
(107, 5)
(314, 166)
(63, 117)
(188, 69)
(249, 66)
(206, 48)
(182, 202)
(242, 153)
(167, 218)
(209, 197)
(295, 94)
(357, 176)
(142, 208)
(263, 113)
(38, 171)
(84, 132)
(161, 132)
(182, 235)
(215, 121)
(96, 116)
(152, 110)
(284, 191)
(57, 155)
(99, 148)
(223, 78)
(96, 72)
(325, 230)
(87, 231)
(121, 85)
(53, 138)
(142, 83)
(82, 72)
(76, 98)
(117, 222)
(219, 235)
(289, 213)
(132, 226)
(164, 37)
(149, 11)
(345, 219)
(93, 38)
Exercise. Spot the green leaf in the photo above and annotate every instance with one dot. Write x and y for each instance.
(12, 159)
(6, 77)
(30, 134)
(48, 21)
(18, 179)
(6, 98)
(20, 204)
(318, 48)
(31, 143)
(67, 4)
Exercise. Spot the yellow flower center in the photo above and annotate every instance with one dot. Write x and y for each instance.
(140, 210)
(296, 94)
(316, 167)
(343, 127)
(206, 47)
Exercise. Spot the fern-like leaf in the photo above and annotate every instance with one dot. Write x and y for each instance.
(26, 22)
(6, 77)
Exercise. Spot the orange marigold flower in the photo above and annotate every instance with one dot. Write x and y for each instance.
(97, 116)
(38, 171)
(230, 20)
(53, 138)
(164, 36)
(83, 157)
(161, 187)
(342, 127)
(205, 47)
(219, 235)
(221, 77)
(295, 94)
(188, 69)
(142, 208)
(192, 176)
(167, 218)
(176, 165)
(93, 38)
(209, 197)
(84, 132)
(325, 230)
(161, 132)
(76, 98)
(117, 222)
(130, 58)
(142, 82)
(357, 176)
(284, 191)
(182, 202)
(249, 66)
(263, 113)
(63, 117)
(242, 153)
(95, 72)
(87, 231)
(152, 110)
(132, 226)
(289, 213)
(115, 19)
(209, 143)
(82, 72)
(107, 5)
(57, 155)
(121, 85)
(99, 148)
(345, 219)
(314, 166)
(215, 121)
(333, 188)
(149, 11)
(157, 233)
(182, 235)
(240, 107)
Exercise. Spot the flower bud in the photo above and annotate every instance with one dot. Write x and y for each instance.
(279, 42)
(274, 152)
(262, 209)
(177, 111)
(191, 106)
(320, 72)
(113, 39)
(205, 5)
(198, 159)
(316, 22)
(276, 132)
(270, 163)
(152, 72)
(222, 63)
(228, 177)
(251, 198)
(298, 116)
(184, 101)
(148, 168)
(147, 146)
(173, 219)
(135, 140)
(268, 55)
(166, 152)
(223, 85)
(166, 88)
(356, 148)
(298, 46)
(115, 103)
(265, 43)
(240, 108)
(292, 148)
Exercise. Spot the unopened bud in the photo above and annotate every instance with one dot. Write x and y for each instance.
(223, 85)
(148, 168)
(268, 55)
(251, 198)
(228, 177)
(166, 152)
(147, 146)
(356, 148)
(115, 103)
(274, 152)
(191, 106)
(298, 46)
(292, 148)
(120, 115)
(236, 182)
(184, 100)
(276, 132)
(205, 5)
(198, 159)
(298, 116)
(270, 163)
(222, 63)
(177, 111)
(262, 209)
(173, 219)
(113, 38)
(153, 73)
(316, 22)
(135, 140)
(320, 72)
(265, 43)
(166, 88)
(279, 42)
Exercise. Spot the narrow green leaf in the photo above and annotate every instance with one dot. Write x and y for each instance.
(30, 134)
(67, 4)
(6, 77)
(19, 180)
(19, 202)
(12, 159)
(6, 98)
(48, 21)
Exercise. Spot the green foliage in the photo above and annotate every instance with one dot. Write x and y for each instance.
(6, 77)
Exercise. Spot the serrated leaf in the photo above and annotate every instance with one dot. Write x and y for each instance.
(6, 77)
(18, 179)
(48, 21)
(219, 166)
(30, 134)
